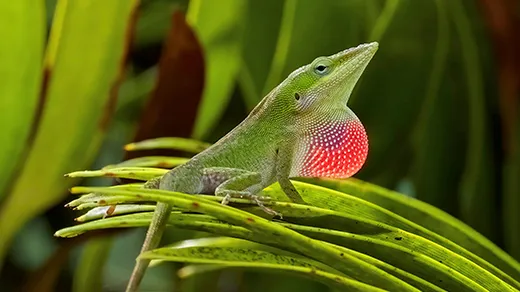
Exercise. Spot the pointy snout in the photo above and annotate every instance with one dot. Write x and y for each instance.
(358, 56)
(352, 63)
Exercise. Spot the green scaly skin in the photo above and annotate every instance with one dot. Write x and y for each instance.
(293, 132)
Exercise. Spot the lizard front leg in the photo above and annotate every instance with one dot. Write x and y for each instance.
(283, 168)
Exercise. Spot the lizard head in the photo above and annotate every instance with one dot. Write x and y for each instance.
(327, 82)
(332, 140)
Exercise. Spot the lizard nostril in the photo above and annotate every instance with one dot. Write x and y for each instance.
(297, 96)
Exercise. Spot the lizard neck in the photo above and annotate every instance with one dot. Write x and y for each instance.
(335, 148)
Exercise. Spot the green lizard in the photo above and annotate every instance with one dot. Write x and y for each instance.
(302, 128)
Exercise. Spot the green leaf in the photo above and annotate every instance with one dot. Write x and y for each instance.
(511, 197)
(344, 263)
(411, 260)
(259, 47)
(102, 212)
(438, 146)
(344, 212)
(302, 26)
(230, 242)
(88, 276)
(384, 19)
(429, 217)
(137, 173)
(154, 22)
(219, 27)
(478, 206)
(22, 30)
(255, 259)
(150, 161)
(174, 143)
(78, 103)
(210, 224)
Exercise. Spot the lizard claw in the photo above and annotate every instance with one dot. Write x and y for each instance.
(225, 199)
(257, 200)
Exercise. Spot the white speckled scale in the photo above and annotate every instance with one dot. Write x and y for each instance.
(334, 149)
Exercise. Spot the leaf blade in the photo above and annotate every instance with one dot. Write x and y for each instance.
(92, 78)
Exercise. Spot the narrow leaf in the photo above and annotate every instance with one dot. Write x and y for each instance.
(174, 143)
(255, 259)
(429, 217)
(219, 27)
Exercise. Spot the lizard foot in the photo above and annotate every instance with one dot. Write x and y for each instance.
(257, 199)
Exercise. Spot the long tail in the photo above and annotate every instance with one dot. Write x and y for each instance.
(152, 240)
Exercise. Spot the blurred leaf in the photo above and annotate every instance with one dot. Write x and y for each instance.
(171, 110)
(384, 19)
(502, 22)
(137, 173)
(282, 46)
(478, 205)
(259, 46)
(174, 143)
(219, 27)
(389, 110)
(151, 161)
(33, 245)
(303, 27)
(88, 275)
(512, 198)
(45, 278)
(22, 30)
(154, 22)
(439, 147)
(78, 103)
(134, 88)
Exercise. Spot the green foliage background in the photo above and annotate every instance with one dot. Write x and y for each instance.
(437, 101)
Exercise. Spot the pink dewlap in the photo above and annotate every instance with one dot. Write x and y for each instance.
(336, 150)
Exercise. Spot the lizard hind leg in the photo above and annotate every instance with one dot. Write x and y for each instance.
(237, 183)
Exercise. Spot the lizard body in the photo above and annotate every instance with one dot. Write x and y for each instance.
(302, 128)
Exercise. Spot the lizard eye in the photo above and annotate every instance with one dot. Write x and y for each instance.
(322, 66)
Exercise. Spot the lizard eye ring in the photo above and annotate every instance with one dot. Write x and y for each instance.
(322, 66)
